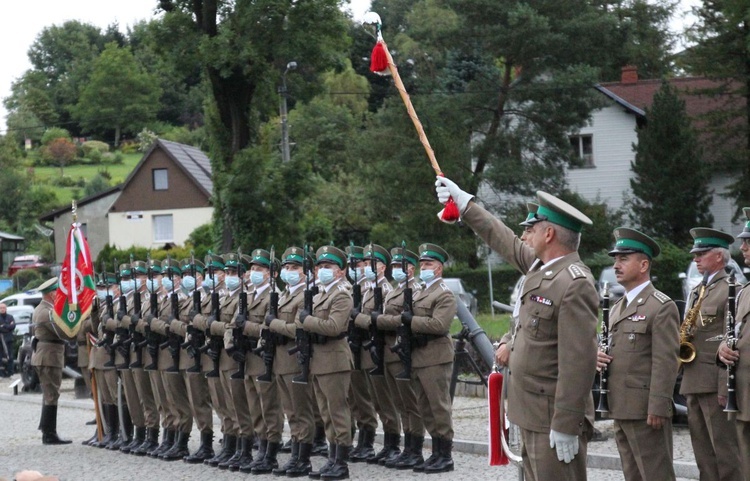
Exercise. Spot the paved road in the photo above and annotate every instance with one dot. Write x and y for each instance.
(21, 448)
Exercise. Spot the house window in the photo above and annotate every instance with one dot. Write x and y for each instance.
(163, 228)
(583, 151)
(161, 181)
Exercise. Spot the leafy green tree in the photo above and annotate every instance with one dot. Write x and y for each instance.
(120, 95)
(670, 186)
(60, 152)
(54, 133)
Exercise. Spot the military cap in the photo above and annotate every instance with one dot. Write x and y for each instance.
(186, 266)
(140, 267)
(331, 254)
(125, 270)
(380, 253)
(705, 239)
(261, 257)
(155, 266)
(558, 212)
(171, 264)
(354, 252)
(629, 241)
(529, 221)
(429, 251)
(396, 255)
(293, 255)
(233, 260)
(215, 261)
(746, 231)
(106, 278)
(48, 286)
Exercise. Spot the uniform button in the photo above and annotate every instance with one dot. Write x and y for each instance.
(541, 390)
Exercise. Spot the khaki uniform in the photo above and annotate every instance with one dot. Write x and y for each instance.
(48, 358)
(331, 362)
(140, 377)
(553, 357)
(106, 377)
(713, 436)
(361, 397)
(84, 352)
(296, 399)
(644, 348)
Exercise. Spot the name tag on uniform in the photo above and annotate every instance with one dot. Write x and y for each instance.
(541, 300)
(636, 318)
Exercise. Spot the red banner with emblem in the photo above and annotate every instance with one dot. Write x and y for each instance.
(76, 286)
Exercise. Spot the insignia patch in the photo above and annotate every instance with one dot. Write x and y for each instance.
(637, 317)
(576, 271)
(661, 297)
(445, 288)
(541, 300)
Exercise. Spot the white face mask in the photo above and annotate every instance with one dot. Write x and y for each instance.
(398, 274)
(325, 275)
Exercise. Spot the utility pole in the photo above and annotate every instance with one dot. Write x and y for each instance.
(285, 153)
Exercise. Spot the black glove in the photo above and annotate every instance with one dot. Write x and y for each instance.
(174, 351)
(374, 318)
(303, 314)
(406, 318)
(354, 313)
(267, 357)
(213, 355)
(269, 318)
(120, 315)
(239, 322)
(210, 320)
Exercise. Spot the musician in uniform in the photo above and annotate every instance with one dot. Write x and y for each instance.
(331, 363)
(48, 360)
(704, 383)
(735, 357)
(553, 358)
(642, 362)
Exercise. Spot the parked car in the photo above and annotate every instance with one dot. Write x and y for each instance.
(468, 298)
(29, 298)
(691, 277)
(25, 262)
(616, 291)
(22, 315)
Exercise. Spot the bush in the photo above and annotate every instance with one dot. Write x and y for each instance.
(94, 145)
(95, 185)
(59, 152)
(672, 260)
(118, 159)
(129, 146)
(95, 156)
(54, 133)
(145, 139)
(25, 278)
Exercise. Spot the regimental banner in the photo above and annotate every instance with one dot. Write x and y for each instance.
(76, 287)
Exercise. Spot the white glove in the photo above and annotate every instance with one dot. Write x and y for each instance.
(446, 189)
(566, 444)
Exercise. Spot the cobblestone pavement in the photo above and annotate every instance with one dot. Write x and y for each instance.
(21, 448)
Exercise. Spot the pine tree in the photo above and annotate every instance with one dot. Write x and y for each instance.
(670, 187)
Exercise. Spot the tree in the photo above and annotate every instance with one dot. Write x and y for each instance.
(120, 96)
(671, 177)
(59, 151)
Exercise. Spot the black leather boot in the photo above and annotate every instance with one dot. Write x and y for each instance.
(227, 451)
(246, 454)
(340, 468)
(166, 443)
(262, 447)
(444, 461)
(149, 444)
(364, 449)
(49, 426)
(113, 421)
(320, 446)
(414, 457)
(419, 467)
(205, 450)
(390, 449)
(138, 439)
(91, 440)
(281, 471)
(287, 447)
(179, 449)
(328, 465)
(303, 466)
(269, 461)
(126, 430)
(391, 462)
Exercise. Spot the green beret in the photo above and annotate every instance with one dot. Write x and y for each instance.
(432, 252)
(629, 241)
(705, 239)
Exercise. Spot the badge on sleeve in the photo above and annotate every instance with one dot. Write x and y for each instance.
(541, 300)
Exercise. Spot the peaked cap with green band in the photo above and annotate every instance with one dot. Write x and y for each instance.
(261, 257)
(293, 255)
(432, 252)
(106, 278)
(48, 286)
(215, 261)
(186, 264)
(380, 253)
(331, 254)
(154, 265)
(529, 221)
(558, 212)
(746, 231)
(171, 264)
(629, 241)
(140, 267)
(705, 239)
(125, 270)
(232, 260)
(411, 257)
(356, 252)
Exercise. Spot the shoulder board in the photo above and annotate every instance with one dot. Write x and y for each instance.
(575, 271)
(661, 297)
(444, 287)
(342, 288)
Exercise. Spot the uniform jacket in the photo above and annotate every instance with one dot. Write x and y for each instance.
(434, 310)
(87, 326)
(743, 366)
(330, 317)
(703, 376)
(644, 345)
(391, 319)
(99, 355)
(199, 320)
(257, 308)
(363, 319)
(553, 357)
(289, 306)
(227, 311)
(48, 354)
(160, 325)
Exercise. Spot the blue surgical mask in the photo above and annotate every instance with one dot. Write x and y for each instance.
(282, 276)
(167, 284)
(152, 285)
(127, 286)
(427, 274)
(257, 278)
(233, 282)
(209, 283)
(399, 275)
(101, 294)
(138, 283)
(325, 275)
(355, 274)
(369, 274)
(292, 278)
(188, 283)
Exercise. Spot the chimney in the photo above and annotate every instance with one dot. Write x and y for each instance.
(629, 75)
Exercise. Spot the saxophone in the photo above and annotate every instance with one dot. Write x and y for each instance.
(687, 349)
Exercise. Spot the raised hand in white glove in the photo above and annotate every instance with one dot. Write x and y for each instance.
(446, 189)
(566, 445)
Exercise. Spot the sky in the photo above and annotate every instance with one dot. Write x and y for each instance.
(21, 22)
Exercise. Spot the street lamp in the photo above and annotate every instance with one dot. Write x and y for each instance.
(285, 154)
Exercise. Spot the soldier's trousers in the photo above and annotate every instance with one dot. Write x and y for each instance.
(265, 409)
(432, 388)
(50, 378)
(237, 403)
(540, 463)
(130, 386)
(404, 399)
(714, 439)
(200, 400)
(743, 441)
(645, 452)
(361, 399)
(179, 404)
(384, 404)
(106, 385)
(220, 400)
(330, 393)
(297, 401)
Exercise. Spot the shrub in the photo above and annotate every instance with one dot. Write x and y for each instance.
(145, 139)
(97, 184)
(59, 152)
(54, 133)
(94, 145)
(95, 156)
(129, 146)
(25, 278)
(118, 158)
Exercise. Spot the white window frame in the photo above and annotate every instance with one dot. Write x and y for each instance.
(165, 179)
(586, 161)
(161, 233)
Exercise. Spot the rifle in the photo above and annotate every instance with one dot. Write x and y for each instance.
(195, 337)
(215, 343)
(152, 338)
(138, 339)
(377, 337)
(267, 349)
(403, 342)
(109, 337)
(174, 341)
(355, 334)
(239, 349)
(123, 335)
(303, 343)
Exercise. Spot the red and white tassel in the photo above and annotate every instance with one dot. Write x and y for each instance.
(379, 59)
(450, 213)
